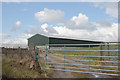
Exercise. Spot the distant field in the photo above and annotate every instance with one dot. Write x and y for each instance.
(87, 53)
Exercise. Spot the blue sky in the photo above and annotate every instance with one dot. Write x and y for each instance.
(25, 13)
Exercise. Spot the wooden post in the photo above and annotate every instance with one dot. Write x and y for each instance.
(37, 65)
(31, 52)
(20, 52)
(34, 61)
(6, 52)
(3, 50)
(12, 51)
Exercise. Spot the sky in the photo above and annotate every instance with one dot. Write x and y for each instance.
(81, 20)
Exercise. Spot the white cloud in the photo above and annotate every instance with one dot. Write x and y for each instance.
(111, 8)
(35, 30)
(64, 31)
(80, 27)
(100, 34)
(104, 23)
(80, 22)
(49, 29)
(20, 40)
(107, 33)
(43, 29)
(4, 36)
(80, 19)
(16, 26)
(49, 15)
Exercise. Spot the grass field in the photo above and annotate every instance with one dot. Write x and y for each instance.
(87, 53)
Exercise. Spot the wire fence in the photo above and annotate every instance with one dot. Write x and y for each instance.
(14, 45)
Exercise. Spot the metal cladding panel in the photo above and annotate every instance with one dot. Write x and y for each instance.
(53, 40)
(38, 40)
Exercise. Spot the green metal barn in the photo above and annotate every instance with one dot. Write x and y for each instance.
(41, 40)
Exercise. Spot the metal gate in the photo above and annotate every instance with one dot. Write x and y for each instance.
(84, 58)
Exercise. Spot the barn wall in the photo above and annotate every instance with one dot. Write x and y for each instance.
(70, 41)
(38, 40)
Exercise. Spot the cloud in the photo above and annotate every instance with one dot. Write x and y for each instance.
(104, 23)
(100, 34)
(43, 29)
(20, 40)
(10, 40)
(16, 26)
(111, 8)
(3, 35)
(80, 19)
(107, 33)
(35, 30)
(49, 15)
(49, 29)
(80, 22)
(80, 27)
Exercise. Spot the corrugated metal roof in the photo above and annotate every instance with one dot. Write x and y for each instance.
(74, 38)
(69, 37)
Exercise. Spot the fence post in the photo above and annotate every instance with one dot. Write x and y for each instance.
(108, 50)
(89, 57)
(46, 57)
(101, 53)
(64, 56)
(6, 52)
(20, 52)
(12, 51)
(119, 58)
(116, 52)
(37, 65)
(31, 54)
(45, 61)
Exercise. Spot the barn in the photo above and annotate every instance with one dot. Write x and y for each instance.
(42, 40)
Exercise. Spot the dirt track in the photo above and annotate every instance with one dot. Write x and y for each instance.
(65, 74)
